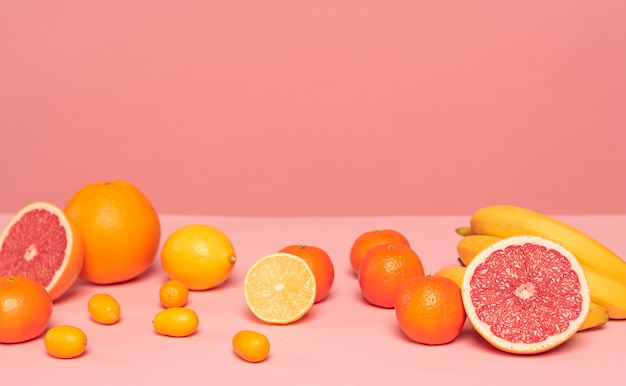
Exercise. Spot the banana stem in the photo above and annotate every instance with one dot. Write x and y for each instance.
(464, 231)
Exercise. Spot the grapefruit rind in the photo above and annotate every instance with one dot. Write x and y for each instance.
(264, 284)
(484, 329)
(66, 274)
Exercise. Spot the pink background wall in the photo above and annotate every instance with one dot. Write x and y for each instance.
(285, 107)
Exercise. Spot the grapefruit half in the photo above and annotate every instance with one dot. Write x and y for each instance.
(525, 294)
(42, 243)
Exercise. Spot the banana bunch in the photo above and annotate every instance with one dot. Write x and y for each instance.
(507, 220)
(604, 270)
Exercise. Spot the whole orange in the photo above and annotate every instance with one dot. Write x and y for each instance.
(429, 309)
(370, 239)
(121, 230)
(25, 309)
(321, 265)
(383, 269)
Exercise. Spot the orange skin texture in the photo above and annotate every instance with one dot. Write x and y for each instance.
(121, 231)
(321, 265)
(429, 309)
(370, 239)
(25, 309)
(383, 269)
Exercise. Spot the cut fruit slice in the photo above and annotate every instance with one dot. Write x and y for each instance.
(525, 294)
(280, 288)
(40, 242)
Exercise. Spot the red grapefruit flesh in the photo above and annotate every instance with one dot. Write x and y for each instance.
(40, 242)
(525, 294)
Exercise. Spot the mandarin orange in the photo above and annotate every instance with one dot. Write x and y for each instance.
(429, 309)
(25, 309)
(383, 270)
(321, 265)
(370, 239)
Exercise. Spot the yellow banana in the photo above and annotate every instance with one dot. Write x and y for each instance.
(469, 246)
(597, 316)
(607, 291)
(464, 231)
(604, 289)
(453, 272)
(509, 220)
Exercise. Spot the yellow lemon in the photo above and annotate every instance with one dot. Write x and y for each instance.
(200, 256)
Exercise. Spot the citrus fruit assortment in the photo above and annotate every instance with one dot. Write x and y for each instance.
(526, 282)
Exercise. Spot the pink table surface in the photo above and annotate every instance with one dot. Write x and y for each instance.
(343, 340)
